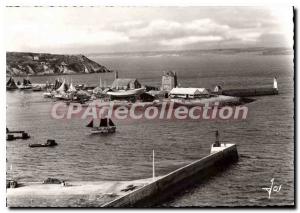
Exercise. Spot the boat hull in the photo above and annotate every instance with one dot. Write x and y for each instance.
(126, 93)
(22, 87)
(62, 97)
(103, 130)
(11, 88)
(37, 89)
(48, 95)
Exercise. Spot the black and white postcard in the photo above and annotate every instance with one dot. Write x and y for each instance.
(150, 107)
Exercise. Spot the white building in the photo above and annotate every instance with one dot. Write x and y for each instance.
(189, 93)
(36, 58)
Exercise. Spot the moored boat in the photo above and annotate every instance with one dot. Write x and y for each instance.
(62, 96)
(11, 84)
(49, 143)
(25, 85)
(48, 95)
(37, 88)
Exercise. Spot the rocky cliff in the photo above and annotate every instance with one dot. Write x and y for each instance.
(22, 64)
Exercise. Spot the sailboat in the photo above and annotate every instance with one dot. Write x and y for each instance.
(61, 92)
(106, 126)
(71, 88)
(26, 84)
(11, 84)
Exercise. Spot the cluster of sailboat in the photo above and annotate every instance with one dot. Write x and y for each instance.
(12, 85)
(62, 90)
(25, 85)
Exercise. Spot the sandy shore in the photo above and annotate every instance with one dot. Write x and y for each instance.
(74, 194)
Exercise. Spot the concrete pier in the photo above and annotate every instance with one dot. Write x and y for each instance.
(71, 194)
(174, 182)
(137, 193)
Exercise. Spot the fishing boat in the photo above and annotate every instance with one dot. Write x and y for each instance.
(61, 92)
(62, 96)
(11, 84)
(106, 126)
(48, 95)
(71, 88)
(26, 85)
(65, 92)
(36, 88)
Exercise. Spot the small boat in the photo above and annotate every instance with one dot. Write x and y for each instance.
(106, 126)
(13, 135)
(49, 143)
(62, 96)
(26, 85)
(37, 88)
(11, 84)
(48, 95)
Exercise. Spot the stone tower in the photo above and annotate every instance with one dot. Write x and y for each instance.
(169, 81)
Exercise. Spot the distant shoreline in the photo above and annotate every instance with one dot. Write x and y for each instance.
(216, 50)
(55, 74)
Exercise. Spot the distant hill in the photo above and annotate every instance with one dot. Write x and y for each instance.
(22, 64)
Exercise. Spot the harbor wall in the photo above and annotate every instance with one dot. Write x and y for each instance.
(174, 182)
(250, 92)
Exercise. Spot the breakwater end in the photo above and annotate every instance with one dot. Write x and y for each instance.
(174, 182)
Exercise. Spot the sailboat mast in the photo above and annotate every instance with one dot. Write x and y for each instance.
(153, 166)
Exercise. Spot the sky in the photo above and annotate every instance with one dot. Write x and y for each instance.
(126, 29)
